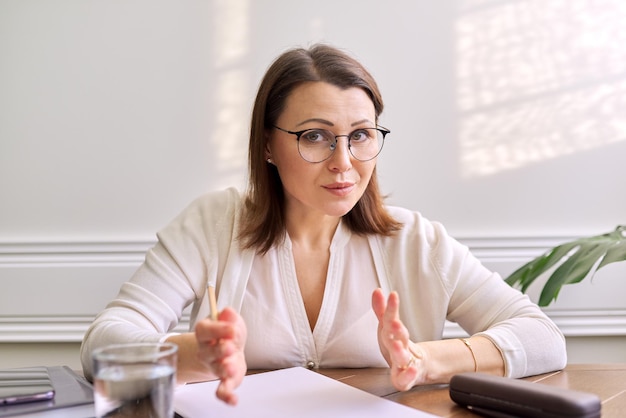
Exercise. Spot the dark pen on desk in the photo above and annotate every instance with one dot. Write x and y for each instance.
(212, 303)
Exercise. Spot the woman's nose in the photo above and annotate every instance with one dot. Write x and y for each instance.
(341, 158)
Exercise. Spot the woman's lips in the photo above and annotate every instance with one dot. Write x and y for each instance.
(339, 189)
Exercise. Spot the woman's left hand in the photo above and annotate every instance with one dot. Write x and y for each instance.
(404, 357)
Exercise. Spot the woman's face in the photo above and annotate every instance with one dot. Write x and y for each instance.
(334, 186)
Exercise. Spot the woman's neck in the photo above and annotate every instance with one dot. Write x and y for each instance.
(312, 231)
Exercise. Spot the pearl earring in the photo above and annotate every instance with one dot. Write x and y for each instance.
(269, 160)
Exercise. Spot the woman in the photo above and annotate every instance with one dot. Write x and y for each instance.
(311, 268)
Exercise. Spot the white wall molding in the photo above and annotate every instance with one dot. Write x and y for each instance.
(64, 329)
(39, 329)
(573, 323)
(56, 252)
(590, 323)
(53, 329)
(72, 252)
(52, 290)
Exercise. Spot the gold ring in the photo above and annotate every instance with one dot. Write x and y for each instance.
(409, 363)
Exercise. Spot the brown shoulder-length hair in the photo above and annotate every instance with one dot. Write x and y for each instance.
(263, 219)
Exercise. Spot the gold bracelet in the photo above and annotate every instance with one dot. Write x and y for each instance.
(469, 346)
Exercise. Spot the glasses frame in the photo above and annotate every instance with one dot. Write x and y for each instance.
(384, 131)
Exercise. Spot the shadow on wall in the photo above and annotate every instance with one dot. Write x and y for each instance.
(538, 80)
(231, 48)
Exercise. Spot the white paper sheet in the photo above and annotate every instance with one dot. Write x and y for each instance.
(293, 392)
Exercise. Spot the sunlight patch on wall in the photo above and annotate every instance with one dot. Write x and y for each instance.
(538, 79)
(231, 48)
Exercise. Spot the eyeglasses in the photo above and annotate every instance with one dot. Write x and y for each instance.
(317, 145)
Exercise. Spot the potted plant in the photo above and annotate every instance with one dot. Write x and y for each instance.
(578, 259)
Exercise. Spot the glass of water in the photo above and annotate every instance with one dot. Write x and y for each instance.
(135, 380)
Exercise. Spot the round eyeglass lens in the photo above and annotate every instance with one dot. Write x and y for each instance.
(317, 145)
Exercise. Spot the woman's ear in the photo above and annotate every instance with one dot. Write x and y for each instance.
(268, 151)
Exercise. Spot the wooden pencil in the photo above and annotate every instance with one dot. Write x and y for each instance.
(213, 303)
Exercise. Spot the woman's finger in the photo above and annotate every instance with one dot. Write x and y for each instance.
(207, 330)
(232, 370)
(379, 304)
(230, 316)
(392, 310)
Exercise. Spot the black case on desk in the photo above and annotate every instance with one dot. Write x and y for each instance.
(503, 397)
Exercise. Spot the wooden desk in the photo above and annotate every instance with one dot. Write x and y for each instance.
(608, 381)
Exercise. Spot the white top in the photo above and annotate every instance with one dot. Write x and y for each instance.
(279, 334)
(436, 277)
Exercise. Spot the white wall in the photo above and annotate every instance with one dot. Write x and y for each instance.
(507, 122)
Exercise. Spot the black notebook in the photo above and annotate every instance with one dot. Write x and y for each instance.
(70, 390)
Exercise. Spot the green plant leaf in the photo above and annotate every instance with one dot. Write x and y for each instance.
(617, 252)
(573, 270)
(526, 274)
(613, 255)
(579, 259)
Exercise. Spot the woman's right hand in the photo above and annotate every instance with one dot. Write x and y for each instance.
(221, 349)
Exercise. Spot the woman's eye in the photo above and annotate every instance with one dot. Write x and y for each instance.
(360, 135)
(314, 136)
